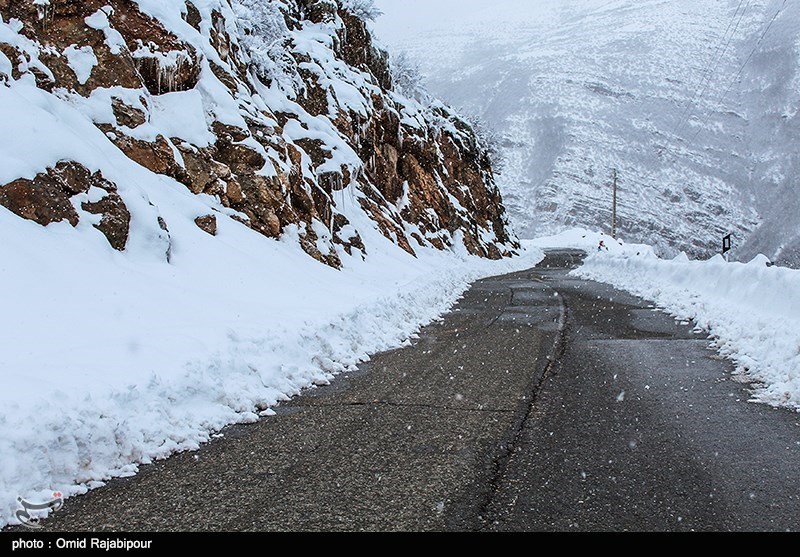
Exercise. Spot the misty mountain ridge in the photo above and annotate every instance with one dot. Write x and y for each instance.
(694, 103)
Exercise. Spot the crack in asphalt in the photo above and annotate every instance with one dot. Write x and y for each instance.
(502, 460)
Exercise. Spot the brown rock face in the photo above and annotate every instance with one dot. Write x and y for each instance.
(127, 116)
(47, 199)
(42, 200)
(157, 156)
(205, 174)
(116, 220)
(272, 225)
(360, 52)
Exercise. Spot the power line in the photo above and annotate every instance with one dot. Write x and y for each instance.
(711, 62)
(708, 72)
(752, 52)
(707, 79)
(738, 75)
(693, 104)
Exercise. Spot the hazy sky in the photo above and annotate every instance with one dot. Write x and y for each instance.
(411, 16)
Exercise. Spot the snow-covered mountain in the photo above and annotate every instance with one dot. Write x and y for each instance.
(693, 102)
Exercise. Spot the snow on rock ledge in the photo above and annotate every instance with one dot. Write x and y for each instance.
(282, 111)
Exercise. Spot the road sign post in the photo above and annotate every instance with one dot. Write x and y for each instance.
(727, 245)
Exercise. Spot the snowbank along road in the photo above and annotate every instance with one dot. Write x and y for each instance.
(541, 402)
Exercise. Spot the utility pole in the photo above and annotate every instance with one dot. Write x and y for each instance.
(614, 209)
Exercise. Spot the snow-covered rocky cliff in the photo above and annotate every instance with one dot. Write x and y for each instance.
(279, 114)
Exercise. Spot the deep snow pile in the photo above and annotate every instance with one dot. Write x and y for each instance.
(750, 310)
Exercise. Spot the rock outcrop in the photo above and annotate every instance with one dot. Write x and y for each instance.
(52, 196)
(282, 111)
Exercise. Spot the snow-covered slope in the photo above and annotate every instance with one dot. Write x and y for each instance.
(769, 101)
(205, 207)
(704, 144)
(280, 114)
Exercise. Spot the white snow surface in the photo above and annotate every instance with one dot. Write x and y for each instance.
(751, 311)
(110, 360)
(82, 61)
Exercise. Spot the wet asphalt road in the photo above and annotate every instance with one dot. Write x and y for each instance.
(540, 403)
(640, 427)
